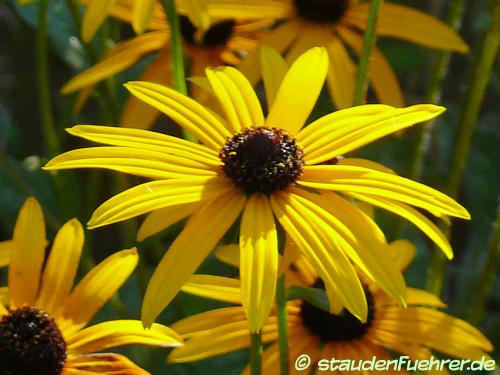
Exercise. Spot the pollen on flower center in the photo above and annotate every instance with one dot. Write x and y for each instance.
(217, 35)
(322, 11)
(335, 328)
(30, 343)
(262, 160)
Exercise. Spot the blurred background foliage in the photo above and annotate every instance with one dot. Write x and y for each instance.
(70, 194)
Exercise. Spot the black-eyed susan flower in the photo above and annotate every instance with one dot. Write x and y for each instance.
(208, 42)
(338, 26)
(262, 168)
(43, 318)
(418, 331)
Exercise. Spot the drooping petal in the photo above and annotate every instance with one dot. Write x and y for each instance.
(155, 195)
(360, 180)
(274, 69)
(403, 252)
(258, 260)
(219, 288)
(103, 363)
(95, 289)
(197, 11)
(199, 237)
(186, 112)
(96, 13)
(299, 91)
(255, 9)
(28, 252)
(229, 254)
(399, 21)
(142, 14)
(346, 130)
(62, 264)
(5, 251)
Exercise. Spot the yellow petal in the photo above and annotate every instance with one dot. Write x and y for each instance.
(5, 251)
(199, 237)
(28, 252)
(95, 289)
(161, 219)
(274, 69)
(382, 77)
(423, 298)
(331, 264)
(403, 252)
(255, 9)
(368, 181)
(102, 363)
(143, 13)
(341, 74)
(96, 13)
(403, 22)
(219, 288)
(115, 333)
(258, 260)
(155, 195)
(236, 97)
(119, 58)
(186, 112)
(415, 217)
(229, 254)
(299, 91)
(346, 130)
(62, 264)
(197, 11)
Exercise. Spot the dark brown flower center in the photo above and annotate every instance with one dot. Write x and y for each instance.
(321, 11)
(335, 328)
(217, 35)
(262, 160)
(30, 343)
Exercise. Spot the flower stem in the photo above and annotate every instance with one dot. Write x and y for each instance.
(177, 53)
(364, 60)
(256, 353)
(282, 324)
(42, 68)
(468, 121)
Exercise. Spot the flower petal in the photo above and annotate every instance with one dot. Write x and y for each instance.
(360, 180)
(236, 97)
(346, 130)
(218, 288)
(229, 254)
(5, 251)
(103, 363)
(96, 13)
(258, 260)
(274, 69)
(154, 195)
(200, 235)
(62, 264)
(142, 15)
(299, 91)
(186, 112)
(341, 74)
(115, 333)
(95, 289)
(28, 253)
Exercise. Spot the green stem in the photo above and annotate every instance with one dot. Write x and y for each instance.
(282, 316)
(177, 54)
(256, 353)
(364, 60)
(42, 67)
(487, 275)
(467, 126)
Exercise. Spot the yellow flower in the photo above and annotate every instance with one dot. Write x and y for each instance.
(43, 319)
(335, 24)
(5, 250)
(207, 42)
(416, 331)
(263, 168)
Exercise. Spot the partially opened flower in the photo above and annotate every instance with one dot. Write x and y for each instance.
(43, 318)
(338, 25)
(419, 331)
(263, 168)
(207, 42)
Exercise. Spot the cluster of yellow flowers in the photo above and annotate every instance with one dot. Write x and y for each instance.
(301, 206)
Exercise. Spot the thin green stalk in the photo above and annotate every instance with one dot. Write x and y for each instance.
(473, 102)
(282, 316)
(488, 272)
(177, 53)
(42, 69)
(434, 91)
(366, 52)
(256, 353)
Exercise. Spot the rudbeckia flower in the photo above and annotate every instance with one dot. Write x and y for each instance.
(417, 331)
(264, 169)
(338, 25)
(43, 319)
(208, 42)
